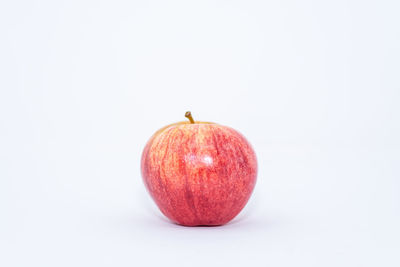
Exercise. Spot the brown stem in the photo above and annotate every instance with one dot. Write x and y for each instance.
(189, 116)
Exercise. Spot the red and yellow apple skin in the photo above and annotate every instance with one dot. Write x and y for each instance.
(199, 173)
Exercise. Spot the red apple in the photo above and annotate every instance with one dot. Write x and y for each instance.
(199, 173)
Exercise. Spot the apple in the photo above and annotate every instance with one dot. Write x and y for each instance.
(199, 173)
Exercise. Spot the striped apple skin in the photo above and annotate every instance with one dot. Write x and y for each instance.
(199, 174)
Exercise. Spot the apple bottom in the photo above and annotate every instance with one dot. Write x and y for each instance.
(202, 215)
(209, 197)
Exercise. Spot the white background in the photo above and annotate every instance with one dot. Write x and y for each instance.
(313, 85)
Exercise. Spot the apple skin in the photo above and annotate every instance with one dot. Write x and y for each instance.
(199, 173)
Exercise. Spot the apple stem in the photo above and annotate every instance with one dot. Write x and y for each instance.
(188, 115)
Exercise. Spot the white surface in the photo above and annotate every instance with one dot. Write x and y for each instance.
(314, 85)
